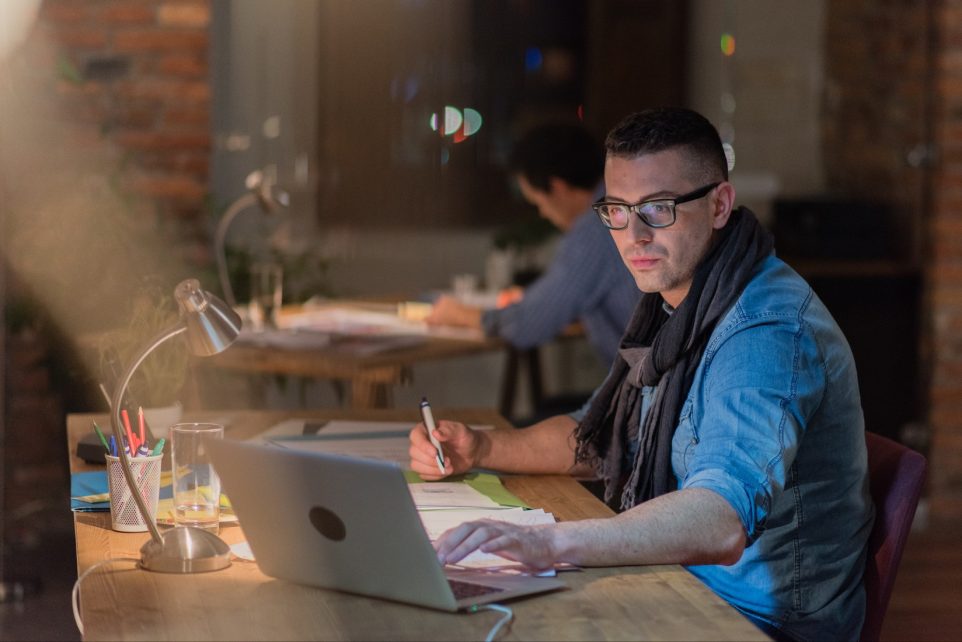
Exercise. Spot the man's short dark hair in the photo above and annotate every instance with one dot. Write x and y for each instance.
(564, 151)
(656, 130)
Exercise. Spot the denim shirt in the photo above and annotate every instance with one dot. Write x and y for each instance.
(773, 423)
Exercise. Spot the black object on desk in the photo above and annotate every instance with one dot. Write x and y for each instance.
(91, 449)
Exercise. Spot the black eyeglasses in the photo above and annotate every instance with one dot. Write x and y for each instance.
(658, 212)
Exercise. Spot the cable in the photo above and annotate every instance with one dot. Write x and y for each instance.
(508, 616)
(75, 593)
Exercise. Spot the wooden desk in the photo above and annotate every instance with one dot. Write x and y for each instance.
(370, 377)
(241, 603)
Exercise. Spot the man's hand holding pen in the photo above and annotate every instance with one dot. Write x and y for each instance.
(460, 445)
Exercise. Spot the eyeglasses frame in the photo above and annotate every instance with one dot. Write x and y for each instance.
(693, 195)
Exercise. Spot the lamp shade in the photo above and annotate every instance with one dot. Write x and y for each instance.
(270, 198)
(211, 324)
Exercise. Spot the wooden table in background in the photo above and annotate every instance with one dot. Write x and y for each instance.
(240, 603)
(370, 376)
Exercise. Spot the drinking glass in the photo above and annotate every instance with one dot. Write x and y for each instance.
(267, 291)
(196, 485)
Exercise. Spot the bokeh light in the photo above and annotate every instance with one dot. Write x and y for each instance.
(729, 155)
(457, 124)
(728, 44)
(472, 121)
(533, 59)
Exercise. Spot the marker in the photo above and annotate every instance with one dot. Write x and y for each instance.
(158, 448)
(429, 423)
(113, 447)
(103, 439)
(130, 433)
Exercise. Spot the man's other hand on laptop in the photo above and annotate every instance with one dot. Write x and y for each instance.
(533, 546)
(460, 444)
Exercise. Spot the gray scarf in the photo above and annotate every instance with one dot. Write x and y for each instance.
(664, 350)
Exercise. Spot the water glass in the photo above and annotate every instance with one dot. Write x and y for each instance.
(267, 293)
(196, 485)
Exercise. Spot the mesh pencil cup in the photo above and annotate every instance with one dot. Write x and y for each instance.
(124, 514)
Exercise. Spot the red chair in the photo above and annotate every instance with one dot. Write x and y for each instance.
(895, 474)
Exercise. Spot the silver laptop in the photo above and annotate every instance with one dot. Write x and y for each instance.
(349, 524)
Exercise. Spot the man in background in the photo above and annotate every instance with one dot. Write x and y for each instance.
(559, 169)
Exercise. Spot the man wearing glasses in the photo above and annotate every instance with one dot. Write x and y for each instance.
(729, 432)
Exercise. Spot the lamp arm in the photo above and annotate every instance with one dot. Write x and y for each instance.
(116, 422)
(220, 235)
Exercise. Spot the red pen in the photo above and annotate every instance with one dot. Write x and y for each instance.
(130, 433)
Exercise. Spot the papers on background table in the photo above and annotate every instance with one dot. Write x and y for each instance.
(347, 344)
(345, 320)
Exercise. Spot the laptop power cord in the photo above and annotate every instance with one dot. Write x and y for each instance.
(75, 593)
(506, 618)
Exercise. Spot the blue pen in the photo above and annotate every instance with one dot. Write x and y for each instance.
(113, 446)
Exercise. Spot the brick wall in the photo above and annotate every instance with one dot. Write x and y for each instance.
(130, 78)
(137, 72)
(894, 72)
(877, 107)
(945, 268)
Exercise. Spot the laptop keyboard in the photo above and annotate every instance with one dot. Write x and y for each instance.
(469, 589)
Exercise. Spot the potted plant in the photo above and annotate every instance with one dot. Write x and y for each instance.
(514, 259)
(158, 384)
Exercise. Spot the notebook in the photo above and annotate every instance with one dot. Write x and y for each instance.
(348, 524)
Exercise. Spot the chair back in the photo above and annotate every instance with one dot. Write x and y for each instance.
(896, 474)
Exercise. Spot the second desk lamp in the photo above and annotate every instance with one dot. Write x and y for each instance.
(262, 191)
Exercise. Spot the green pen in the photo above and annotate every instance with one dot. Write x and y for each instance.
(103, 439)
(158, 448)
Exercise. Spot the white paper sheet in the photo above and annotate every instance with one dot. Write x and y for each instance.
(449, 495)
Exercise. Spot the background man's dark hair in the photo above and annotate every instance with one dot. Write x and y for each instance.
(656, 130)
(566, 151)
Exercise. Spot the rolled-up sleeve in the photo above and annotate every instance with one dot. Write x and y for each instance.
(760, 385)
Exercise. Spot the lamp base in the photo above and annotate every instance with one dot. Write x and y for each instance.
(185, 549)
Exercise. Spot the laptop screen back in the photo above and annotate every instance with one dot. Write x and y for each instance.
(331, 521)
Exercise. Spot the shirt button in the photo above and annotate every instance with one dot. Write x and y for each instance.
(694, 440)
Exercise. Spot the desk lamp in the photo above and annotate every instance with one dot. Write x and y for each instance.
(210, 326)
(260, 191)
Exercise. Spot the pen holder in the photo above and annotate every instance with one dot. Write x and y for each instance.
(124, 514)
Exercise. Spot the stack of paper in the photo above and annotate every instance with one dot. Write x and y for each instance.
(436, 522)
